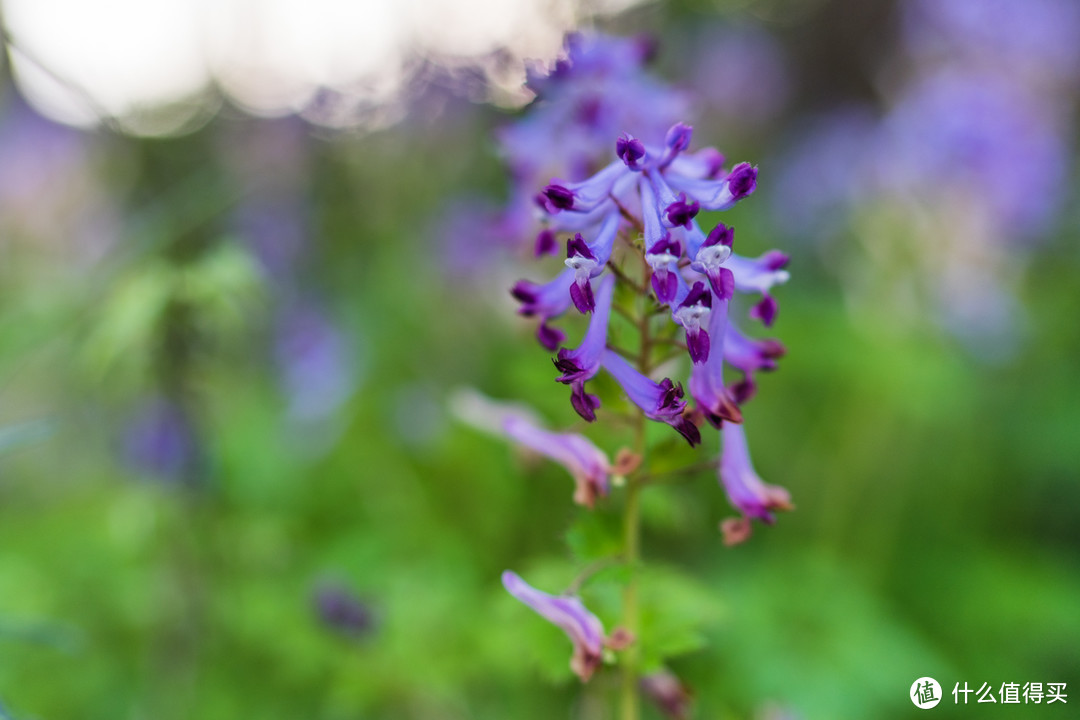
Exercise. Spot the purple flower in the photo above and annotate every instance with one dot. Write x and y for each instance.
(681, 212)
(583, 363)
(746, 491)
(668, 694)
(1036, 39)
(662, 251)
(588, 260)
(760, 275)
(711, 257)
(694, 308)
(340, 610)
(598, 208)
(976, 132)
(547, 301)
(659, 401)
(630, 150)
(750, 356)
(313, 363)
(742, 74)
(161, 441)
(707, 379)
(583, 628)
(586, 463)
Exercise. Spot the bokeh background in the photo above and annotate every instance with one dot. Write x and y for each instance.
(239, 286)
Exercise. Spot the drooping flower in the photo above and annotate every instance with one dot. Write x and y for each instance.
(586, 463)
(660, 401)
(745, 489)
(668, 693)
(707, 378)
(749, 355)
(567, 612)
(583, 363)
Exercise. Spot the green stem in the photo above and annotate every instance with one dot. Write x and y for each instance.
(630, 702)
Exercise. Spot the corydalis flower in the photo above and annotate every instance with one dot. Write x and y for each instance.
(584, 629)
(746, 491)
(661, 401)
(586, 463)
(669, 695)
(657, 191)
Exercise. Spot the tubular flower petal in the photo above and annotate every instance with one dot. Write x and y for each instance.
(587, 260)
(710, 258)
(659, 401)
(567, 612)
(719, 194)
(746, 491)
(707, 378)
(583, 363)
(586, 463)
(760, 275)
(692, 311)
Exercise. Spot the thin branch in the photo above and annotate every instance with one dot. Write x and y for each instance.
(617, 271)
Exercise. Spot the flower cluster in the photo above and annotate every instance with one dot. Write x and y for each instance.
(650, 197)
(632, 227)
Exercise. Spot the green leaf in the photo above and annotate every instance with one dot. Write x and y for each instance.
(594, 536)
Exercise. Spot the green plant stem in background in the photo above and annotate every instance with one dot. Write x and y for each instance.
(632, 533)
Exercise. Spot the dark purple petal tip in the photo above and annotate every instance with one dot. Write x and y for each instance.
(630, 150)
(549, 337)
(743, 390)
(742, 180)
(570, 370)
(765, 311)
(560, 197)
(665, 287)
(584, 403)
(682, 212)
(688, 430)
(546, 243)
(582, 295)
(776, 260)
(525, 293)
(577, 247)
(698, 345)
(698, 295)
(720, 235)
(678, 137)
(723, 283)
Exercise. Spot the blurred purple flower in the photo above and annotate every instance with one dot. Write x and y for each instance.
(1033, 39)
(586, 463)
(597, 89)
(745, 490)
(313, 362)
(584, 629)
(669, 695)
(827, 170)
(340, 610)
(160, 441)
(741, 74)
(985, 136)
(277, 232)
